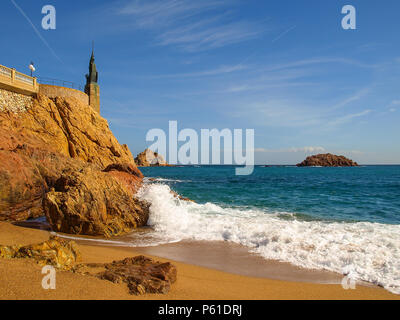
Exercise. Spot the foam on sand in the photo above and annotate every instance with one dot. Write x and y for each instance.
(363, 251)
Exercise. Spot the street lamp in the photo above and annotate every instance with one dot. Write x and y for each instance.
(32, 68)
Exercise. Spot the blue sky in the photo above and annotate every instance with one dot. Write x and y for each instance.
(284, 68)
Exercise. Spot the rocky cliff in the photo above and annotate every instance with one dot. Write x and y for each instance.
(60, 158)
(148, 158)
(327, 160)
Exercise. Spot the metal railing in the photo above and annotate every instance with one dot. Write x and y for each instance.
(14, 75)
(61, 83)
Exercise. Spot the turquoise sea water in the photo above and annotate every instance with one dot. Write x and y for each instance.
(368, 193)
(345, 220)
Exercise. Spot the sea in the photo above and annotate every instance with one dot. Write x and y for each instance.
(345, 219)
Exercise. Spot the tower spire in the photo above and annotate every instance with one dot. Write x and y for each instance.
(92, 88)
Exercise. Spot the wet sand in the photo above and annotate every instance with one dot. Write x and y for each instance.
(21, 278)
(236, 259)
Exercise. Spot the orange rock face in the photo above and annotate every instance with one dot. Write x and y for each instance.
(327, 160)
(63, 138)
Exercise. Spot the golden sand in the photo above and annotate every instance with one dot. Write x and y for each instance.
(22, 278)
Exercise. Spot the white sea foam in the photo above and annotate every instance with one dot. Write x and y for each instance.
(364, 251)
(142, 239)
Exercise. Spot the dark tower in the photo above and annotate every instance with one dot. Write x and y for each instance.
(92, 89)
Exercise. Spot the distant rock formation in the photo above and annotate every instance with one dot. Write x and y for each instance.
(148, 158)
(60, 159)
(327, 160)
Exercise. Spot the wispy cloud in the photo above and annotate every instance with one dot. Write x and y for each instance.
(348, 118)
(153, 14)
(318, 61)
(277, 113)
(183, 23)
(35, 29)
(293, 114)
(292, 150)
(283, 34)
(355, 97)
(211, 72)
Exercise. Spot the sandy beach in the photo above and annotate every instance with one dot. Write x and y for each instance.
(21, 279)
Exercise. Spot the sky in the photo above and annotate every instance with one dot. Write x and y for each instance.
(286, 69)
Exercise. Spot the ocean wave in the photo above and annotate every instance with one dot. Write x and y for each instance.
(141, 239)
(363, 251)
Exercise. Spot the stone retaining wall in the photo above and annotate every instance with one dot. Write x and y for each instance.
(56, 91)
(14, 102)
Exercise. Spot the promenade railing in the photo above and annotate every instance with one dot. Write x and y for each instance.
(60, 83)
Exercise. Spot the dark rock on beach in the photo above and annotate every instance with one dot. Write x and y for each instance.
(142, 275)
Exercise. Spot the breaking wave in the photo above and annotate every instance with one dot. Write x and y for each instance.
(362, 250)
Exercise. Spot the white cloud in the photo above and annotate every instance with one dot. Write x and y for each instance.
(205, 73)
(348, 118)
(308, 149)
(293, 150)
(277, 113)
(158, 13)
(357, 96)
(183, 23)
(318, 61)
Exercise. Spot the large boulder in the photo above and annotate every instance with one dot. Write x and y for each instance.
(149, 158)
(327, 160)
(94, 203)
(142, 275)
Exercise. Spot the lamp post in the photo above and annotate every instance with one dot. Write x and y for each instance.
(32, 68)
